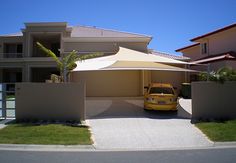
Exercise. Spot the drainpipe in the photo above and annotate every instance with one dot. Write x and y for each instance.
(142, 79)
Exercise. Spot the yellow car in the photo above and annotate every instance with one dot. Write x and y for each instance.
(160, 96)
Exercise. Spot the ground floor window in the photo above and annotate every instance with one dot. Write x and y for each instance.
(42, 74)
(11, 75)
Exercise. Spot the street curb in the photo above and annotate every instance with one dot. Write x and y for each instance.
(92, 148)
(233, 143)
(33, 147)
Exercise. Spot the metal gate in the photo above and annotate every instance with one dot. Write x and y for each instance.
(7, 100)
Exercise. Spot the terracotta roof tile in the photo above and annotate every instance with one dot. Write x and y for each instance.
(231, 55)
(171, 56)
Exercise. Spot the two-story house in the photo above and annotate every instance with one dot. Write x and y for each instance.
(22, 60)
(215, 49)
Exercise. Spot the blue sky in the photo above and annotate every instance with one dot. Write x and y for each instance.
(171, 22)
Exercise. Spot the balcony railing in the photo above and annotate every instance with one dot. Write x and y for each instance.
(12, 55)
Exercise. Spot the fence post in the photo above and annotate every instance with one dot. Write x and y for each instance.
(4, 100)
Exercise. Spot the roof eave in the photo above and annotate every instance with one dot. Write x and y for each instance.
(40, 24)
(5, 36)
(187, 47)
(129, 39)
(213, 32)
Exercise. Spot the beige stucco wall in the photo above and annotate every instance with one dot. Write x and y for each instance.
(139, 46)
(231, 64)
(222, 42)
(124, 83)
(46, 29)
(193, 53)
(103, 46)
(213, 100)
(110, 83)
(216, 65)
(174, 78)
(90, 46)
(50, 101)
(147, 77)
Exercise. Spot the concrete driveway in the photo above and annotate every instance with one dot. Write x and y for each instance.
(121, 123)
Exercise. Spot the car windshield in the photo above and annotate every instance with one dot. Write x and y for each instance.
(161, 90)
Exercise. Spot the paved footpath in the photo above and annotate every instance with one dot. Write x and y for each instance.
(4, 122)
(125, 125)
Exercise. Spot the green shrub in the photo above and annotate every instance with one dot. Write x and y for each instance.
(221, 75)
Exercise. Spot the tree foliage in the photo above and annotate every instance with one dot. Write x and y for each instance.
(67, 62)
(221, 75)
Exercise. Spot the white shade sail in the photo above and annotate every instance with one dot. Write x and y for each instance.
(127, 59)
(138, 65)
(125, 54)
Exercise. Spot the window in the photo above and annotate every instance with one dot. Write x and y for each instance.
(204, 48)
(161, 90)
(13, 50)
(55, 48)
(19, 48)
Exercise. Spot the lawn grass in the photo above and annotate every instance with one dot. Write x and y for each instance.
(219, 131)
(9, 97)
(44, 134)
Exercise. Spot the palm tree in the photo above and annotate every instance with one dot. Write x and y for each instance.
(67, 63)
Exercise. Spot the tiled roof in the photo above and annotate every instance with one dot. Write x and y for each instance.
(12, 34)
(172, 56)
(212, 58)
(87, 31)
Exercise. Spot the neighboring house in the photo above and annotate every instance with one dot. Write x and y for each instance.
(171, 56)
(22, 61)
(217, 49)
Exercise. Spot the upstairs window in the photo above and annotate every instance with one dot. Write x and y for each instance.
(204, 48)
(13, 50)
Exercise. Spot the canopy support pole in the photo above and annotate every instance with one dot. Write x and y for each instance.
(142, 82)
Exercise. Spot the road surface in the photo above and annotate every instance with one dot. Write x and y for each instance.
(215, 155)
